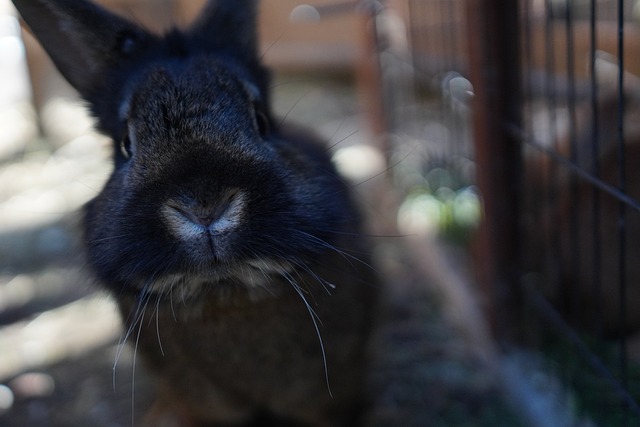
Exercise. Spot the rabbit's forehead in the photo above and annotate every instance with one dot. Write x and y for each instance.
(189, 89)
(190, 109)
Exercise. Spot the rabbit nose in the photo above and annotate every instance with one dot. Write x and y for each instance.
(205, 217)
(184, 214)
(199, 218)
(215, 218)
(206, 221)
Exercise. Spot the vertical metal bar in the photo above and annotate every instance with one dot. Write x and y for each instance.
(551, 187)
(577, 306)
(530, 187)
(571, 83)
(595, 160)
(420, 35)
(493, 38)
(437, 36)
(449, 30)
(527, 48)
(622, 214)
(453, 123)
(370, 79)
(414, 31)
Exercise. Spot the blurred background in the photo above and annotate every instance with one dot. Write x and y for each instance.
(493, 147)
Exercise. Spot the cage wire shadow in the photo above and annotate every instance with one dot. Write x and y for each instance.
(550, 135)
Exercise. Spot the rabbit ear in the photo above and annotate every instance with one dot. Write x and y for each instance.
(82, 38)
(228, 25)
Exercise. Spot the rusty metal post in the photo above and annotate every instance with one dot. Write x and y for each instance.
(369, 74)
(495, 74)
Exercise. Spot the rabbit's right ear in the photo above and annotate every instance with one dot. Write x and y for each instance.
(83, 39)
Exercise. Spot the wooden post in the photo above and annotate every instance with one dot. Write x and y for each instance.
(495, 74)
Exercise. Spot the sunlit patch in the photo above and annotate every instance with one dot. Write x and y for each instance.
(6, 399)
(41, 190)
(57, 335)
(444, 211)
(359, 162)
(420, 215)
(65, 119)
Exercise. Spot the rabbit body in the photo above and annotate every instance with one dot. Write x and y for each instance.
(238, 358)
(231, 244)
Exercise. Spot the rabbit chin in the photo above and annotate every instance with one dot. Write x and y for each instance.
(259, 278)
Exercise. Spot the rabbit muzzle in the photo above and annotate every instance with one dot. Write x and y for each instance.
(192, 224)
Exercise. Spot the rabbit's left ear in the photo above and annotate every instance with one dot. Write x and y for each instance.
(82, 39)
(229, 26)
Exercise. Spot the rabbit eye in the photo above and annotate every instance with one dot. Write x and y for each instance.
(127, 43)
(125, 146)
(262, 122)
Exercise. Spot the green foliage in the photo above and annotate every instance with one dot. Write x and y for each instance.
(442, 204)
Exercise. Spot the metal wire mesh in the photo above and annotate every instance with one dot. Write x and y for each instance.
(580, 215)
(575, 292)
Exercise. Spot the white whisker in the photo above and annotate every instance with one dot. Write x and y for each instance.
(315, 319)
(133, 367)
(348, 257)
(157, 312)
(173, 312)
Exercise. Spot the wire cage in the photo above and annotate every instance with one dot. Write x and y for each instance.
(579, 212)
(535, 102)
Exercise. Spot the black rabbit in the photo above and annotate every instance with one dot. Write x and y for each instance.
(231, 245)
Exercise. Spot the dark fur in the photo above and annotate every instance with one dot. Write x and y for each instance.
(220, 234)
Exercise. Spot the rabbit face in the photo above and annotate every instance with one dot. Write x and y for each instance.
(202, 192)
